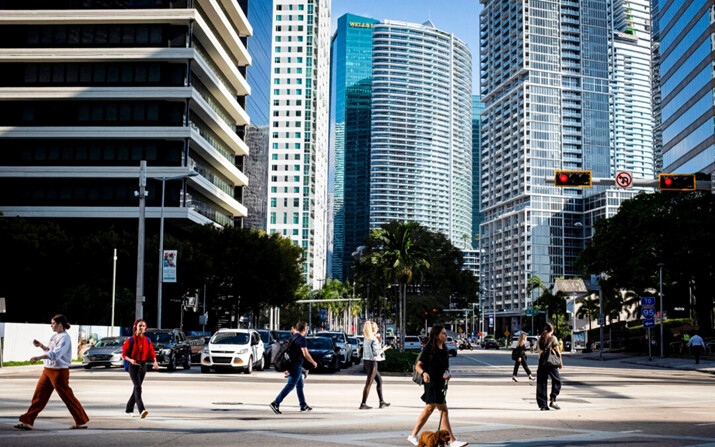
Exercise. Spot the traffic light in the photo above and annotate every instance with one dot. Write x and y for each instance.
(434, 310)
(580, 179)
(676, 182)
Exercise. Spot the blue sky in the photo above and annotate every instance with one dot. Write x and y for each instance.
(460, 17)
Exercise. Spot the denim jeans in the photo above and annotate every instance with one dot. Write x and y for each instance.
(295, 380)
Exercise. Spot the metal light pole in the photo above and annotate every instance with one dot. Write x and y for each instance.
(191, 173)
(114, 286)
(139, 310)
(600, 326)
(662, 320)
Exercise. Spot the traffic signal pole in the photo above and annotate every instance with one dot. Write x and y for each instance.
(700, 185)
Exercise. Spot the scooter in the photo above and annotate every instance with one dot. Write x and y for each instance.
(464, 344)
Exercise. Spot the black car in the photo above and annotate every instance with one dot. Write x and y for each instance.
(268, 339)
(281, 336)
(171, 347)
(324, 352)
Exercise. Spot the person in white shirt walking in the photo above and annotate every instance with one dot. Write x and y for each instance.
(697, 346)
(55, 376)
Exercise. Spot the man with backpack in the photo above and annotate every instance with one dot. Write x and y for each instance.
(297, 351)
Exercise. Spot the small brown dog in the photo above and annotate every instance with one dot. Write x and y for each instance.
(440, 438)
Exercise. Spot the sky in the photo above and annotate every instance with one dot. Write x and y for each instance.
(460, 17)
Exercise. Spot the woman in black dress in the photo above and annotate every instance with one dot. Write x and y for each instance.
(433, 364)
(520, 358)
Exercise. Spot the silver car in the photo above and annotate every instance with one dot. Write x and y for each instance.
(107, 352)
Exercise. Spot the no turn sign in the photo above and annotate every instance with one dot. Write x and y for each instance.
(624, 179)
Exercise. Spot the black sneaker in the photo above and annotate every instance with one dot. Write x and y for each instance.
(554, 405)
(384, 404)
(274, 407)
(545, 408)
(305, 408)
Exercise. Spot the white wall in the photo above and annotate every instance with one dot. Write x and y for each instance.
(17, 340)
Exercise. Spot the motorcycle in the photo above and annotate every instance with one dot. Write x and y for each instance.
(464, 344)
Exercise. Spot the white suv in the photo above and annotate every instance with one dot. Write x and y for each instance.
(234, 348)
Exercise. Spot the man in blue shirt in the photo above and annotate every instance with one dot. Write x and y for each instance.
(298, 352)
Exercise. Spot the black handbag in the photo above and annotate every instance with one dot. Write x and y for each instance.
(553, 359)
(417, 377)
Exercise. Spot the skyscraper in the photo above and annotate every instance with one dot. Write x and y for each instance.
(298, 136)
(351, 102)
(687, 110)
(421, 138)
(550, 104)
(477, 109)
(88, 91)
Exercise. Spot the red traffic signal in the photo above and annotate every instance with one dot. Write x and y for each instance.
(426, 313)
(676, 182)
(580, 179)
(434, 310)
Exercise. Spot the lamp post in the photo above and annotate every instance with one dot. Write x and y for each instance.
(191, 173)
(141, 195)
(662, 320)
(114, 285)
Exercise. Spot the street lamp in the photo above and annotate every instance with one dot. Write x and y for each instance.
(163, 180)
(660, 267)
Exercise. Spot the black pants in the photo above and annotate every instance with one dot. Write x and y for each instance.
(697, 350)
(372, 374)
(137, 373)
(522, 363)
(542, 384)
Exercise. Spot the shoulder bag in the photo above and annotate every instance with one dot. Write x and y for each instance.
(131, 352)
(553, 359)
(417, 377)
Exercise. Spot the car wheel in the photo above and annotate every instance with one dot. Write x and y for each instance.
(249, 368)
(107, 366)
(261, 364)
(187, 363)
(172, 363)
(205, 369)
(87, 367)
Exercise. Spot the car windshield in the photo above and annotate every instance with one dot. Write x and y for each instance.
(160, 338)
(337, 338)
(230, 338)
(265, 336)
(353, 340)
(411, 339)
(110, 342)
(319, 343)
(283, 336)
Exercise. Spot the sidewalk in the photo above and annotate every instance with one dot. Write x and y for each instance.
(706, 365)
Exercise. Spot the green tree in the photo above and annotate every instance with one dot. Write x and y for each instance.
(588, 307)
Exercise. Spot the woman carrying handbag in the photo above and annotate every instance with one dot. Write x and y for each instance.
(549, 365)
(519, 357)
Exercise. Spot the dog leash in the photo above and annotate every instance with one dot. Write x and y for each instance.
(441, 413)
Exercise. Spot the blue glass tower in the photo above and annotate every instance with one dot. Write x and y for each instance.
(477, 109)
(350, 105)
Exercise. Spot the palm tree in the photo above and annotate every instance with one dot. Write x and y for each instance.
(588, 308)
(399, 259)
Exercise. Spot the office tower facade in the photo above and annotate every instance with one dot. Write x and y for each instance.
(477, 109)
(686, 72)
(655, 86)
(88, 91)
(545, 84)
(421, 138)
(350, 106)
(631, 89)
(258, 75)
(298, 137)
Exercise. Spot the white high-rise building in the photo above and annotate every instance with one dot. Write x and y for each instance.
(421, 135)
(298, 140)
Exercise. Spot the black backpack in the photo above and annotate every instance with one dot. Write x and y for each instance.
(281, 355)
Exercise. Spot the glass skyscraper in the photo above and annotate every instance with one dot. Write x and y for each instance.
(298, 137)
(686, 84)
(351, 101)
(421, 137)
(477, 109)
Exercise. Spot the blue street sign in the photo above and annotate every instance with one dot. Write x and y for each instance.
(491, 320)
(323, 314)
(648, 313)
(648, 301)
(648, 323)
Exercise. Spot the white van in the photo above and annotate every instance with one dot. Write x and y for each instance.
(235, 349)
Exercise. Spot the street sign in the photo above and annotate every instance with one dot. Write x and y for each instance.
(624, 179)
(529, 311)
(601, 319)
(649, 323)
(648, 313)
(506, 333)
(491, 320)
(647, 301)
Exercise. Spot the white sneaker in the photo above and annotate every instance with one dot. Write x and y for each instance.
(144, 414)
(458, 444)
(412, 439)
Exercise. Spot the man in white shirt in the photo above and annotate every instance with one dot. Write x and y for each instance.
(697, 345)
(55, 376)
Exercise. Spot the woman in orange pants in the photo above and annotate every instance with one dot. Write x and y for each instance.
(55, 376)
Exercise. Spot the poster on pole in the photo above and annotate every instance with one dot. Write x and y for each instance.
(169, 268)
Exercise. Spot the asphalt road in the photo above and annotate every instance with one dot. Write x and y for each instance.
(603, 404)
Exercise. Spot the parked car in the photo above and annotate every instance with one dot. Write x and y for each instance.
(268, 340)
(198, 343)
(451, 346)
(490, 342)
(324, 352)
(171, 347)
(356, 351)
(239, 349)
(340, 339)
(412, 342)
(281, 336)
(107, 352)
